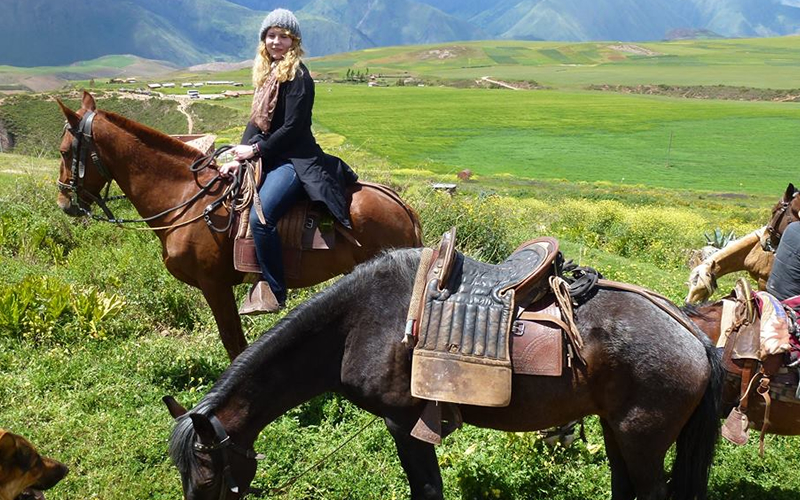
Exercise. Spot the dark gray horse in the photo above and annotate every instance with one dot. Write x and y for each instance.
(652, 383)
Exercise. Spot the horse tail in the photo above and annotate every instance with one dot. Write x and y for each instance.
(698, 438)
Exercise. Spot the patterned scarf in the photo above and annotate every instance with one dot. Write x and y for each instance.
(265, 99)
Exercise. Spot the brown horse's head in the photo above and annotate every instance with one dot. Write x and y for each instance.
(79, 180)
(783, 213)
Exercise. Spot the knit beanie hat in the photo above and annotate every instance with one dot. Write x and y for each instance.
(280, 18)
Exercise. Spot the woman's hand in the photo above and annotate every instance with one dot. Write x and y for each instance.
(242, 152)
(229, 168)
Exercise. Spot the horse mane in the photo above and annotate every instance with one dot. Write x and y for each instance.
(392, 267)
(152, 137)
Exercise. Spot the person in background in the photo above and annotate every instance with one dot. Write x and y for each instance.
(784, 278)
(294, 165)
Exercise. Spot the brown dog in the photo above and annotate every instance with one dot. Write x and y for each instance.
(23, 472)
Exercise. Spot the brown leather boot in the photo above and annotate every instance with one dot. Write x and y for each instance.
(260, 300)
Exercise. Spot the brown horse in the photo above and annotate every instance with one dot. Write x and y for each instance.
(152, 169)
(784, 417)
(651, 381)
(743, 254)
(786, 211)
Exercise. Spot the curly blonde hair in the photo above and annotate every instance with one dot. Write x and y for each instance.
(286, 67)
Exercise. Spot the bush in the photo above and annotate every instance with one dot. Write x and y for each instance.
(46, 310)
(483, 227)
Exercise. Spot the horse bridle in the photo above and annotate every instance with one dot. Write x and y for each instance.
(83, 145)
(777, 217)
(224, 445)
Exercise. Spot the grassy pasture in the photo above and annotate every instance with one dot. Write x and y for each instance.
(760, 62)
(717, 146)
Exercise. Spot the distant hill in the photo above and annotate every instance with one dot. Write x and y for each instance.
(189, 32)
(629, 20)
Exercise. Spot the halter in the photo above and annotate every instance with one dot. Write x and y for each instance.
(777, 216)
(224, 445)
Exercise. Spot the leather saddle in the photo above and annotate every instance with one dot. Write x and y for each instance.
(463, 320)
(744, 359)
(304, 227)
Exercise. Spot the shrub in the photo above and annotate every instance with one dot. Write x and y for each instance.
(483, 227)
(45, 310)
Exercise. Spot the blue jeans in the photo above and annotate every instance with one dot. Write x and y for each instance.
(280, 189)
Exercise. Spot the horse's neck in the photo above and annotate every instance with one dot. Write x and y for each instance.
(266, 386)
(758, 263)
(732, 257)
(153, 180)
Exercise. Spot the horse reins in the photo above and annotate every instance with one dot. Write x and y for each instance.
(83, 145)
(224, 444)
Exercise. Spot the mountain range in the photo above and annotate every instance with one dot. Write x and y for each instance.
(187, 32)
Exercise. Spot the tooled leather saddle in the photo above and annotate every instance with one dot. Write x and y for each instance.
(463, 321)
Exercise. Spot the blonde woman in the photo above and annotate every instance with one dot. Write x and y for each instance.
(279, 132)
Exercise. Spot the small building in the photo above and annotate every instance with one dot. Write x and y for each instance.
(168, 85)
(186, 84)
(154, 85)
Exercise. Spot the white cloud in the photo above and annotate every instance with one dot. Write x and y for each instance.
(791, 3)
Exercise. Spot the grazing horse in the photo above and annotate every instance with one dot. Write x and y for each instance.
(743, 254)
(650, 380)
(753, 253)
(784, 416)
(152, 169)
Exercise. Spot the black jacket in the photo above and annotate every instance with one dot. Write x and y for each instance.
(784, 278)
(289, 138)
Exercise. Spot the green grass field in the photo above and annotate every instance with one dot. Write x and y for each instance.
(716, 146)
(760, 62)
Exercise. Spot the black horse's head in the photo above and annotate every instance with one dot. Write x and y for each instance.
(211, 464)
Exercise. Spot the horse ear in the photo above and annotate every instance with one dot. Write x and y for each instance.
(175, 408)
(88, 102)
(203, 428)
(790, 190)
(8, 446)
(72, 117)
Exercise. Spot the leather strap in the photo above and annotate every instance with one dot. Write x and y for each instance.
(763, 389)
(536, 316)
(651, 296)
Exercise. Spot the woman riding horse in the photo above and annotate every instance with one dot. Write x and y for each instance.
(279, 133)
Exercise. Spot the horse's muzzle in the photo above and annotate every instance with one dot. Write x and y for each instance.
(69, 208)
